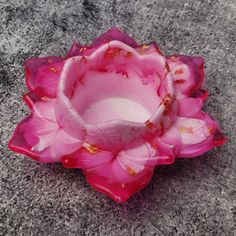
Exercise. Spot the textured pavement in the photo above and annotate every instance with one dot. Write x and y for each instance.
(193, 196)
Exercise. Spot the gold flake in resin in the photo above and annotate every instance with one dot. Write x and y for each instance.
(52, 69)
(149, 124)
(44, 98)
(90, 148)
(131, 171)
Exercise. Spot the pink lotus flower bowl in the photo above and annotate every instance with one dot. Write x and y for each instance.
(116, 110)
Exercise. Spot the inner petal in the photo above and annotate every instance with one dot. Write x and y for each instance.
(113, 85)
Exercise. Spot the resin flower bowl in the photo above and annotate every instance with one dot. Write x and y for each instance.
(115, 109)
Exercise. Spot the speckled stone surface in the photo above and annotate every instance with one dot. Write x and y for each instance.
(193, 196)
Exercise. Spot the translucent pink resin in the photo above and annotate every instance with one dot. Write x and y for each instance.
(115, 109)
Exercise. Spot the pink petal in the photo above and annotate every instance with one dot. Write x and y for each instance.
(63, 144)
(165, 153)
(137, 156)
(30, 98)
(40, 136)
(119, 192)
(213, 140)
(193, 136)
(114, 34)
(18, 143)
(83, 159)
(33, 80)
(47, 79)
(187, 73)
(200, 93)
(75, 50)
(189, 107)
(127, 173)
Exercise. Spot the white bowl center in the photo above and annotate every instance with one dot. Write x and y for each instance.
(115, 108)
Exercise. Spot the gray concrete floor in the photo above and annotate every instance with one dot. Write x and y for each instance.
(192, 197)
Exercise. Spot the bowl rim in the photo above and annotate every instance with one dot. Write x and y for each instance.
(155, 116)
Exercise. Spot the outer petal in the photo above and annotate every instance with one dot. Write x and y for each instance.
(86, 160)
(200, 93)
(46, 80)
(40, 136)
(42, 75)
(111, 34)
(30, 98)
(165, 153)
(193, 134)
(75, 50)
(189, 107)
(80, 50)
(18, 143)
(114, 34)
(126, 174)
(115, 190)
(149, 49)
(105, 180)
(187, 73)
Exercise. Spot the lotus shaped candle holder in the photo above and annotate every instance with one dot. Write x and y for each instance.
(115, 109)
